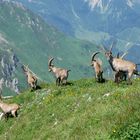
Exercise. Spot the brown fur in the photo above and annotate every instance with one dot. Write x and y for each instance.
(121, 65)
(9, 108)
(31, 79)
(60, 74)
(97, 67)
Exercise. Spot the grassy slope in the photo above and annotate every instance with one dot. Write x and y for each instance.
(79, 111)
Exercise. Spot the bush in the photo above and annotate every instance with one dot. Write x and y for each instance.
(129, 132)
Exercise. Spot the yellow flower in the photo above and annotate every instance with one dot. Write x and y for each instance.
(114, 130)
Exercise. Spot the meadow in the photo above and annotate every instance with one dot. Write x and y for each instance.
(82, 110)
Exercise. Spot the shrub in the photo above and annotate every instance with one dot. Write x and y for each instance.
(128, 132)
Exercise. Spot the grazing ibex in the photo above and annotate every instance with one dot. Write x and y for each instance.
(60, 74)
(9, 108)
(31, 79)
(120, 65)
(97, 67)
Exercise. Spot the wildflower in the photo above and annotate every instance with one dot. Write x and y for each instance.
(114, 130)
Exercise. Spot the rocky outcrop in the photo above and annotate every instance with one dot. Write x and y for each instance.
(8, 69)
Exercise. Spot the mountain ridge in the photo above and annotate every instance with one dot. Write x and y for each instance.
(33, 42)
(119, 22)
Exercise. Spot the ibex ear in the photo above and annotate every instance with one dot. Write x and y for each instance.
(23, 67)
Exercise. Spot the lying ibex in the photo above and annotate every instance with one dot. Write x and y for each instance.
(97, 67)
(120, 65)
(60, 74)
(9, 109)
(31, 79)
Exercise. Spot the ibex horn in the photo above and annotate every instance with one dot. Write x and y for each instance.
(124, 54)
(118, 55)
(50, 61)
(114, 43)
(93, 55)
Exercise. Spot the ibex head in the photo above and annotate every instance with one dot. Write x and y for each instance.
(108, 53)
(50, 65)
(25, 69)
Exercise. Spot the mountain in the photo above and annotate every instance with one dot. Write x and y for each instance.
(33, 41)
(9, 71)
(94, 20)
(108, 16)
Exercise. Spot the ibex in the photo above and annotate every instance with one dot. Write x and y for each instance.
(31, 79)
(120, 65)
(60, 74)
(97, 67)
(9, 109)
(122, 76)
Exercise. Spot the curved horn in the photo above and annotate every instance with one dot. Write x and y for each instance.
(118, 55)
(113, 44)
(124, 55)
(93, 55)
(111, 47)
(50, 61)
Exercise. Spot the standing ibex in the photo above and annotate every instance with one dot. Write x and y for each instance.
(60, 74)
(9, 108)
(122, 76)
(31, 79)
(119, 65)
(96, 64)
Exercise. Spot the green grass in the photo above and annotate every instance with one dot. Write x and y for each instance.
(80, 111)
